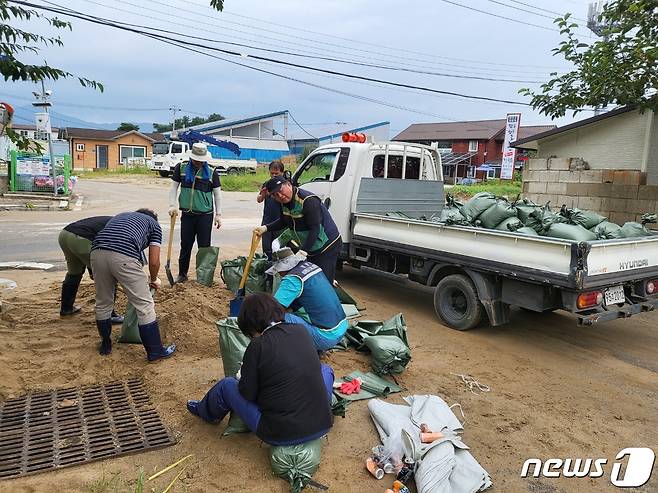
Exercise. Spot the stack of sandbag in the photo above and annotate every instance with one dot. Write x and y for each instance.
(451, 213)
(476, 205)
(637, 230)
(493, 217)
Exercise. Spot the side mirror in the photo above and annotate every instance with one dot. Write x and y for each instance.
(287, 174)
(327, 203)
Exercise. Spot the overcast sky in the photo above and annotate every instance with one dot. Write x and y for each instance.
(142, 74)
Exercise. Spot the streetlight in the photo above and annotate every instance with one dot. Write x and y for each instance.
(42, 101)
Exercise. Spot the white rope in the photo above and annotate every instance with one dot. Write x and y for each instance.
(461, 412)
(472, 383)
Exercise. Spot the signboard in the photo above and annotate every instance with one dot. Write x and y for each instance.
(509, 154)
(36, 165)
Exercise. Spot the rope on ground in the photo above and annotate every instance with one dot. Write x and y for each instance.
(472, 383)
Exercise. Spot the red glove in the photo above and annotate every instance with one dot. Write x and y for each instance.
(351, 387)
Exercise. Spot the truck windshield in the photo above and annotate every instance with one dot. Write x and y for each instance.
(161, 148)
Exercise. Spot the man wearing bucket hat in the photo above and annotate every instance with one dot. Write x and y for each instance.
(200, 194)
(309, 219)
(304, 286)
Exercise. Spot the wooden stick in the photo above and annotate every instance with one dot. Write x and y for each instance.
(170, 467)
(174, 480)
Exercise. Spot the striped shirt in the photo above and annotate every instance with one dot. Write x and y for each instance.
(129, 233)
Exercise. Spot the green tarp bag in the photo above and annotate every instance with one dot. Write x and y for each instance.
(573, 232)
(449, 216)
(637, 230)
(586, 219)
(388, 354)
(496, 214)
(510, 224)
(607, 231)
(525, 230)
(371, 386)
(232, 345)
(394, 326)
(477, 204)
(524, 208)
(289, 238)
(256, 280)
(296, 463)
(130, 327)
(542, 219)
(206, 262)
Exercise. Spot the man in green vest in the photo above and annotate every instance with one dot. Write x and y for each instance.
(199, 201)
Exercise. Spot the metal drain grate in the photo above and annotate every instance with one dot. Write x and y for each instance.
(50, 430)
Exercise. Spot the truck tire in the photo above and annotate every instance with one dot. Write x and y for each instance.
(164, 174)
(456, 302)
(233, 171)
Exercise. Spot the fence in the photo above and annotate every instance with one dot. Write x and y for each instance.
(29, 172)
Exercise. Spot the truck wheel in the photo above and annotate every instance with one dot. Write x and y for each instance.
(164, 174)
(456, 302)
(233, 171)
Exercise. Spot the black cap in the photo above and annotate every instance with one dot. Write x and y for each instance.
(273, 185)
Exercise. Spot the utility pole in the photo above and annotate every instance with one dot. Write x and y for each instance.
(43, 123)
(598, 28)
(175, 109)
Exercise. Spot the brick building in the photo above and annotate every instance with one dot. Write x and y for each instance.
(467, 146)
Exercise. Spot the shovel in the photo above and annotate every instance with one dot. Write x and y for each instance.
(170, 276)
(236, 303)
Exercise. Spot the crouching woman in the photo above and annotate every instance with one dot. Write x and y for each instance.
(284, 392)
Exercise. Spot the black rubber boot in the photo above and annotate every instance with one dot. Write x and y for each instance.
(150, 335)
(105, 331)
(69, 291)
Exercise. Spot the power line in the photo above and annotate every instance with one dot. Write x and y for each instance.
(522, 10)
(299, 125)
(107, 22)
(546, 10)
(305, 46)
(498, 16)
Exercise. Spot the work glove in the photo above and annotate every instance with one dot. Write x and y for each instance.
(302, 254)
(218, 221)
(260, 230)
(156, 284)
(173, 211)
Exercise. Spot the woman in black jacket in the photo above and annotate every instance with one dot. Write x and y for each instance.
(284, 392)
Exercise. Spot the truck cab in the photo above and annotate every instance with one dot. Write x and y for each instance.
(334, 172)
(166, 155)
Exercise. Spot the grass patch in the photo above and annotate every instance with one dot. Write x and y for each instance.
(510, 189)
(250, 182)
(121, 171)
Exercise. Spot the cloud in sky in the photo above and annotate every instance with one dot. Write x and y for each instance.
(427, 35)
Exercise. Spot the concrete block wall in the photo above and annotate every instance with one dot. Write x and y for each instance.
(620, 195)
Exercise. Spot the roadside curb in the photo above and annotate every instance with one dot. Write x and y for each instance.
(62, 206)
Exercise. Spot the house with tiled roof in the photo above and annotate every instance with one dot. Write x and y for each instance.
(469, 149)
(92, 148)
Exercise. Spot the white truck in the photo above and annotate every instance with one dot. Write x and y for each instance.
(166, 155)
(474, 271)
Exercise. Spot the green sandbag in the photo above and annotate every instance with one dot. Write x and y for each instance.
(371, 386)
(339, 405)
(451, 201)
(288, 237)
(573, 232)
(607, 231)
(525, 230)
(637, 230)
(496, 214)
(346, 298)
(586, 219)
(206, 262)
(476, 205)
(296, 463)
(450, 215)
(542, 219)
(232, 345)
(510, 224)
(394, 326)
(130, 327)
(524, 208)
(388, 354)
(256, 280)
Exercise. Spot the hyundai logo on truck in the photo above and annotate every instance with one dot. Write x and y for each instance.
(634, 264)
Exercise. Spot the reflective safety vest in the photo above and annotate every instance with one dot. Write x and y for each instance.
(318, 297)
(196, 196)
(293, 217)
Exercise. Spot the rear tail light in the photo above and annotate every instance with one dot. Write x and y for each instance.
(590, 299)
(651, 287)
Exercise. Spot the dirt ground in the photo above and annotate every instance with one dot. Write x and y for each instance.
(556, 390)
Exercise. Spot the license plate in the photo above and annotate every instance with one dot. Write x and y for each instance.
(615, 295)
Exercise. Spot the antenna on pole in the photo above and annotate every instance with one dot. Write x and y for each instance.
(599, 28)
(175, 109)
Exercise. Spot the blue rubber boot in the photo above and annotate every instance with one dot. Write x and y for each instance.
(150, 335)
(212, 407)
(105, 331)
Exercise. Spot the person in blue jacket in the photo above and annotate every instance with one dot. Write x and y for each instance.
(305, 289)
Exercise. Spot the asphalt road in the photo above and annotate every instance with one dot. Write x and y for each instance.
(32, 235)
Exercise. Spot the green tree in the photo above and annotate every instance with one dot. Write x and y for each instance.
(621, 68)
(127, 127)
(16, 44)
(185, 121)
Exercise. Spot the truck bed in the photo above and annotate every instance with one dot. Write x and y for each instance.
(559, 262)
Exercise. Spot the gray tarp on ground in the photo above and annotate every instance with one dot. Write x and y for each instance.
(443, 466)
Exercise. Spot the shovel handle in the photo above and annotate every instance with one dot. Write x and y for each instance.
(171, 237)
(255, 239)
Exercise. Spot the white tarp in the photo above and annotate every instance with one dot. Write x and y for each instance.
(443, 466)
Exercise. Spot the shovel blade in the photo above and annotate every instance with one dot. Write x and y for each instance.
(236, 303)
(170, 276)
